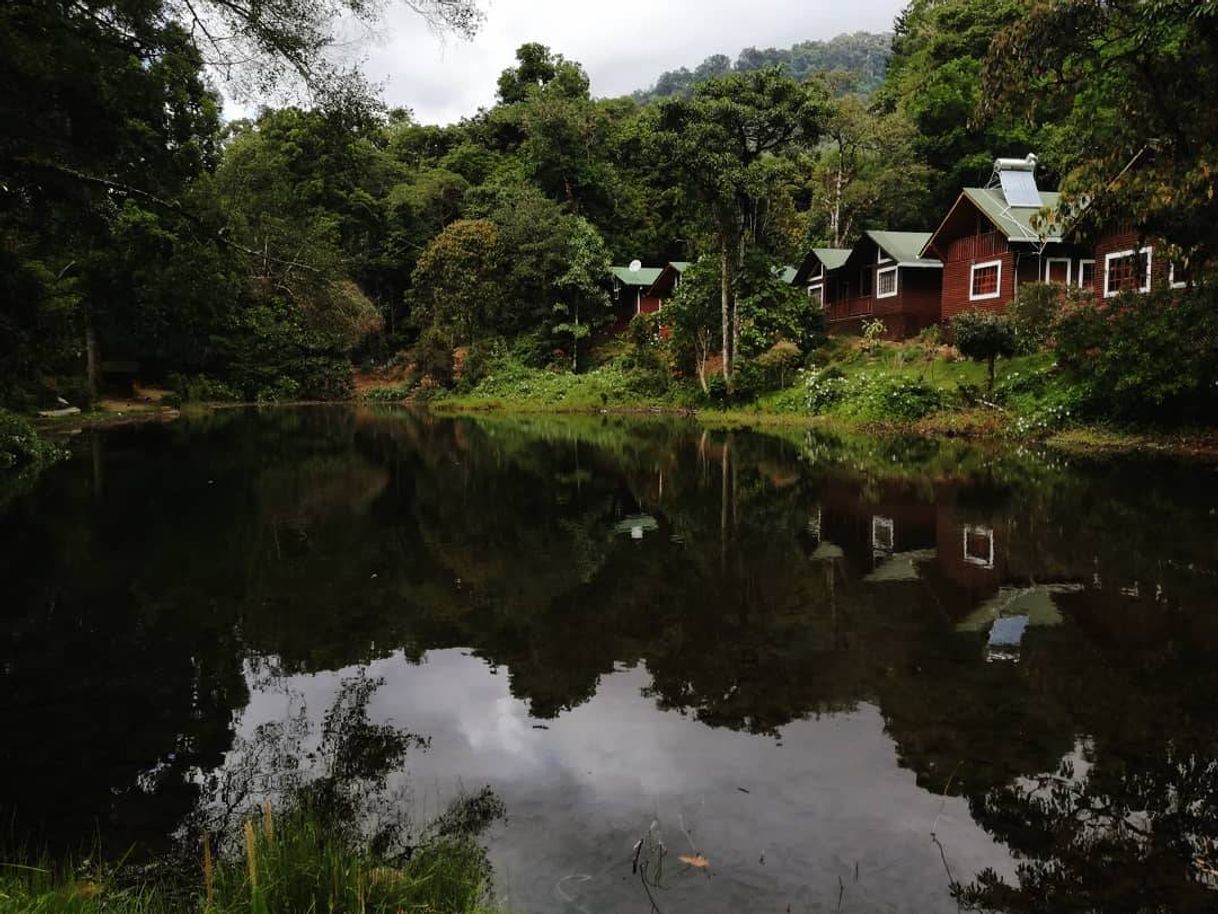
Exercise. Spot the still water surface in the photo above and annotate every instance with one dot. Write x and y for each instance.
(848, 673)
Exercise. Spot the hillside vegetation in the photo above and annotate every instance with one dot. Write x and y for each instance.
(860, 59)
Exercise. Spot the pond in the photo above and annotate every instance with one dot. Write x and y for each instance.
(850, 674)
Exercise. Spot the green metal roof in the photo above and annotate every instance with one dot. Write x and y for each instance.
(787, 274)
(679, 265)
(1016, 221)
(644, 277)
(905, 247)
(832, 258)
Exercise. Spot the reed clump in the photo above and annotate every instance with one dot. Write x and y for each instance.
(288, 863)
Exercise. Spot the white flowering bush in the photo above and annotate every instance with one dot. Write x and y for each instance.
(824, 388)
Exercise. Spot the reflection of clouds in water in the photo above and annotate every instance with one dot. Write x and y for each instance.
(781, 820)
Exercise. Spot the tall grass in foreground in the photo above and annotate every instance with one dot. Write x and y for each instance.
(295, 864)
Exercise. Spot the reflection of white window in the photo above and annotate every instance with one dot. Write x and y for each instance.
(817, 294)
(1179, 276)
(814, 524)
(1127, 271)
(886, 282)
(979, 546)
(985, 280)
(1086, 273)
(1057, 269)
(882, 534)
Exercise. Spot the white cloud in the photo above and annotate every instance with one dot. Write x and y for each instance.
(624, 45)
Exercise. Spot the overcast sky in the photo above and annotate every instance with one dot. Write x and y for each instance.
(623, 44)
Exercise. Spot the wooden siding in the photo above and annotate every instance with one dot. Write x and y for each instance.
(958, 281)
(912, 309)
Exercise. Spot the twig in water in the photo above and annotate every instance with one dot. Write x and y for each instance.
(645, 850)
(951, 880)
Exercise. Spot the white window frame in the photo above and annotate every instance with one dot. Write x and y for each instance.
(1081, 264)
(882, 527)
(972, 281)
(972, 558)
(896, 282)
(1117, 255)
(880, 256)
(1069, 268)
(816, 291)
(1171, 279)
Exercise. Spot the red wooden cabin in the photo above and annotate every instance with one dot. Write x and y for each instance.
(884, 278)
(995, 238)
(667, 282)
(631, 295)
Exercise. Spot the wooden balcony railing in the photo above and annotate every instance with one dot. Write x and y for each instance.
(849, 307)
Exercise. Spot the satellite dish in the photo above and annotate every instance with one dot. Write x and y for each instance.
(636, 265)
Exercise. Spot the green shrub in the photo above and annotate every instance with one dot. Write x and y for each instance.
(984, 336)
(930, 337)
(20, 445)
(1033, 313)
(480, 358)
(873, 332)
(824, 388)
(393, 394)
(779, 363)
(885, 398)
(1146, 357)
(202, 389)
(315, 377)
(434, 356)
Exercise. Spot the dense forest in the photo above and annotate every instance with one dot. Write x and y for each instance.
(261, 259)
(860, 59)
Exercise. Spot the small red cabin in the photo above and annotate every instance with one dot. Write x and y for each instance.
(815, 269)
(884, 278)
(631, 293)
(667, 282)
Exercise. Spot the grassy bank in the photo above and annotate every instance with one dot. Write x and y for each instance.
(282, 865)
(853, 386)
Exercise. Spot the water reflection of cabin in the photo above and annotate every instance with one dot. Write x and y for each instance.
(871, 533)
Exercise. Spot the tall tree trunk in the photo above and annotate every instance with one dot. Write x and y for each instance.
(92, 356)
(737, 266)
(725, 281)
(837, 199)
(575, 344)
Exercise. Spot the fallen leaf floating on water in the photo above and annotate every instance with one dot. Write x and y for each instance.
(695, 860)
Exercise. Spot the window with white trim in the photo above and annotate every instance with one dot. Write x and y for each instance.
(1127, 271)
(1057, 269)
(883, 535)
(979, 546)
(881, 257)
(817, 294)
(1086, 274)
(985, 280)
(886, 282)
(1180, 277)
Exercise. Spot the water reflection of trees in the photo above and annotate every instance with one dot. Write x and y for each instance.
(757, 594)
